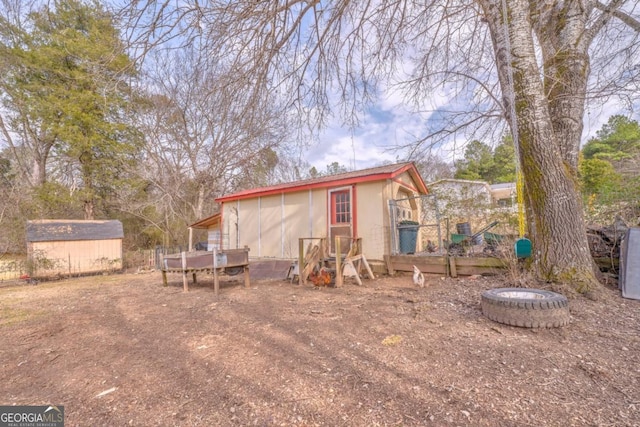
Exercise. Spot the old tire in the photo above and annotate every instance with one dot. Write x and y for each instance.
(526, 308)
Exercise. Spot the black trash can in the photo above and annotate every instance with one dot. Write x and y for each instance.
(463, 228)
(408, 236)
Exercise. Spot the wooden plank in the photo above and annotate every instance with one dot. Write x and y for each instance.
(425, 268)
(478, 270)
(300, 259)
(247, 283)
(389, 264)
(457, 266)
(440, 260)
(367, 267)
(185, 283)
(348, 265)
(452, 267)
(339, 267)
(216, 280)
(480, 262)
(406, 264)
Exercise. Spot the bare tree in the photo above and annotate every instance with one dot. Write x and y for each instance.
(200, 140)
(530, 64)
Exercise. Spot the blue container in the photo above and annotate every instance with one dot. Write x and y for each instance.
(523, 248)
(408, 236)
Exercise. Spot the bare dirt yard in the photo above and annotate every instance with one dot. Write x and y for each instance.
(124, 350)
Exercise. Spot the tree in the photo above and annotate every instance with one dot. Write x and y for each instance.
(504, 161)
(477, 164)
(486, 49)
(199, 141)
(480, 162)
(598, 177)
(336, 168)
(610, 164)
(67, 92)
(618, 139)
(433, 168)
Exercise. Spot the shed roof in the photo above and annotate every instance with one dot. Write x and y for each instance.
(459, 181)
(208, 221)
(49, 230)
(364, 175)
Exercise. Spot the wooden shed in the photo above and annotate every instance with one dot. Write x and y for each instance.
(271, 220)
(73, 247)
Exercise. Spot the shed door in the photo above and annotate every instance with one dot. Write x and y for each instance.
(340, 215)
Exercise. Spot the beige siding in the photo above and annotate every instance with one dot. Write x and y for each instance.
(296, 222)
(319, 211)
(271, 225)
(75, 257)
(371, 218)
(270, 217)
(229, 226)
(248, 224)
(405, 180)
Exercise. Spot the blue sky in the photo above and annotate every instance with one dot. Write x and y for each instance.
(389, 124)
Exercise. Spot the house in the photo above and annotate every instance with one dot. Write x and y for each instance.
(271, 220)
(456, 196)
(504, 195)
(70, 247)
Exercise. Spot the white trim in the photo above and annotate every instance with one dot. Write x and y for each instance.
(349, 188)
(282, 225)
(259, 226)
(238, 224)
(310, 213)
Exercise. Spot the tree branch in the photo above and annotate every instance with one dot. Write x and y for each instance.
(610, 10)
(613, 10)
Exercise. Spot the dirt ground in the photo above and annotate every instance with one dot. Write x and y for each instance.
(124, 350)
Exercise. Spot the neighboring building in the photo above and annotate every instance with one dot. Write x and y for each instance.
(73, 247)
(504, 195)
(476, 203)
(271, 220)
(458, 196)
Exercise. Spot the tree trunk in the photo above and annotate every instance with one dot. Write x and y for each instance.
(86, 162)
(564, 47)
(556, 223)
(88, 210)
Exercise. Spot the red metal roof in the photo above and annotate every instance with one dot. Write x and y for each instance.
(365, 175)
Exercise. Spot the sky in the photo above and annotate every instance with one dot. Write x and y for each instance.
(389, 125)
(384, 129)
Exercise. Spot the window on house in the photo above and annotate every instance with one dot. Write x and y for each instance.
(341, 207)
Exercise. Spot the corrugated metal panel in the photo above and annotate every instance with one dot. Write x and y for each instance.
(50, 230)
(630, 264)
(372, 174)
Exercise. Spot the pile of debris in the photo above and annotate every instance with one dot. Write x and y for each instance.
(604, 242)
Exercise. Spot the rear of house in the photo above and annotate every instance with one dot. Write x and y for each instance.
(73, 247)
(271, 220)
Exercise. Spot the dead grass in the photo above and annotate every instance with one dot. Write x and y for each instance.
(123, 350)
